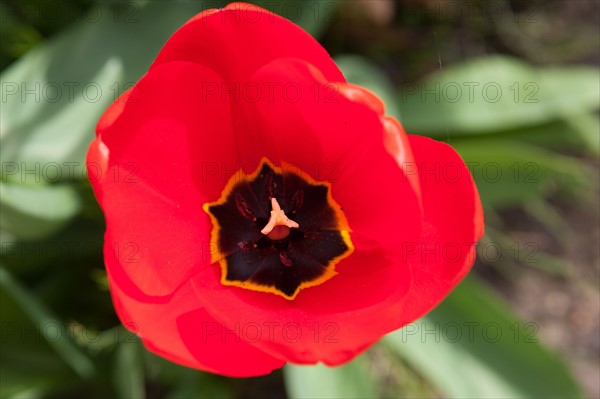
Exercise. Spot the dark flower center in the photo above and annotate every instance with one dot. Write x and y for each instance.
(277, 231)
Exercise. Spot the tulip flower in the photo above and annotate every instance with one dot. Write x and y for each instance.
(261, 210)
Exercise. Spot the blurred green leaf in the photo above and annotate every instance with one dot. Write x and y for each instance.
(51, 103)
(361, 71)
(18, 380)
(508, 172)
(195, 384)
(30, 367)
(17, 36)
(577, 133)
(184, 382)
(43, 319)
(587, 127)
(80, 243)
(188, 387)
(472, 346)
(497, 93)
(129, 371)
(519, 254)
(348, 381)
(34, 211)
(312, 15)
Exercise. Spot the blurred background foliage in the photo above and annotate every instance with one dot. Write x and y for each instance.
(512, 85)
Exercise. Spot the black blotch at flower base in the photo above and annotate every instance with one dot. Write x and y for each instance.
(289, 259)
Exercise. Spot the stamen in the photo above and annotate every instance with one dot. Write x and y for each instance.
(297, 200)
(284, 258)
(278, 218)
(243, 208)
(270, 185)
(246, 246)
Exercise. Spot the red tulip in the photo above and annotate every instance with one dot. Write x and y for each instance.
(260, 210)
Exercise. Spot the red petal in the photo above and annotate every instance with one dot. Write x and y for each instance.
(176, 328)
(363, 96)
(170, 134)
(397, 144)
(113, 111)
(364, 300)
(315, 327)
(395, 138)
(453, 223)
(239, 39)
(334, 139)
(153, 165)
(332, 322)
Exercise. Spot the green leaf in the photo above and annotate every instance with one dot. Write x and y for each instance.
(43, 320)
(361, 71)
(472, 346)
(497, 93)
(53, 96)
(587, 127)
(578, 133)
(34, 211)
(30, 367)
(195, 384)
(509, 172)
(521, 254)
(129, 371)
(312, 15)
(183, 382)
(80, 243)
(347, 381)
